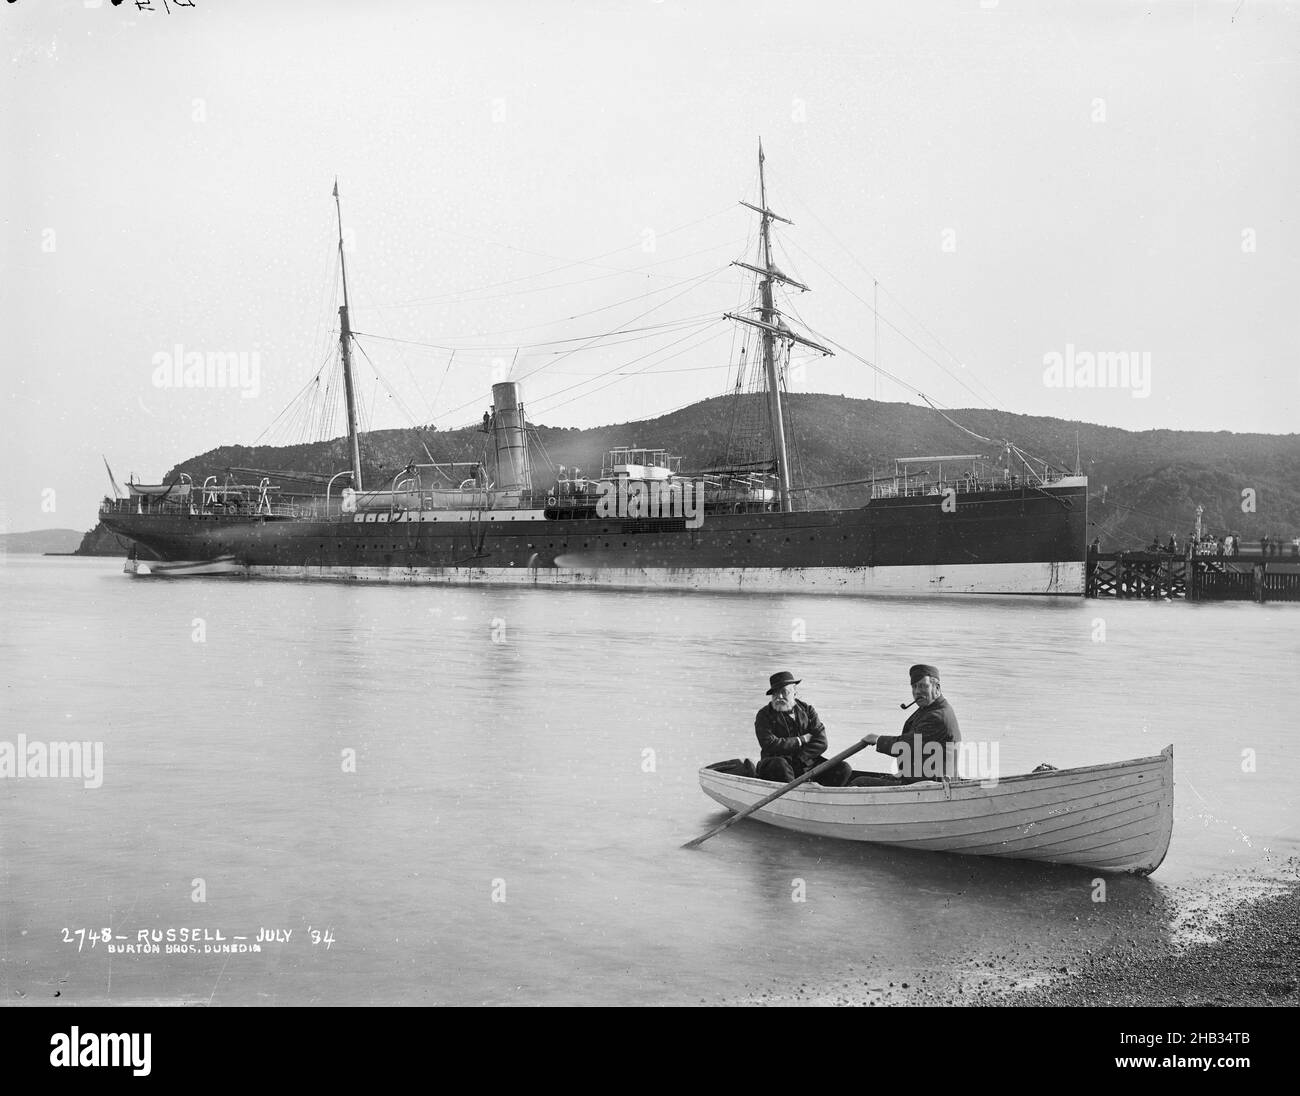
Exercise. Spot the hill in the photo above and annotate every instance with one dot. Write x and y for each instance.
(1142, 484)
(40, 541)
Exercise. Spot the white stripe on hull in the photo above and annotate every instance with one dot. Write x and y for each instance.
(970, 578)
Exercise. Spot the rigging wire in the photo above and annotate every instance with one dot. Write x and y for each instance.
(902, 334)
(401, 357)
(537, 440)
(301, 412)
(313, 388)
(561, 357)
(550, 323)
(566, 265)
(326, 300)
(398, 399)
(623, 376)
(741, 302)
(903, 308)
(552, 342)
(314, 380)
(1009, 445)
(329, 410)
(457, 299)
(685, 369)
(621, 365)
(813, 214)
(442, 382)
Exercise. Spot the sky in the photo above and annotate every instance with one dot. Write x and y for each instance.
(549, 192)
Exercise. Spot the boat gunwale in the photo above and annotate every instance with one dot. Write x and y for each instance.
(1164, 758)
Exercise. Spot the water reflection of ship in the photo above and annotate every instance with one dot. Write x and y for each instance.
(965, 523)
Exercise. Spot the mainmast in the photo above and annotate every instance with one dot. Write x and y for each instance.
(773, 328)
(345, 342)
(767, 313)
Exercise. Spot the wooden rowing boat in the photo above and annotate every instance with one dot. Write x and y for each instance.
(1112, 818)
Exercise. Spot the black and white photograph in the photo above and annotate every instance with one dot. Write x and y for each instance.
(630, 503)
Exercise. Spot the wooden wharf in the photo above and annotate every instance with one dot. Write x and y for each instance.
(1254, 573)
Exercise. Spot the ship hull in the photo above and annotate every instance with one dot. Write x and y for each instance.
(1023, 541)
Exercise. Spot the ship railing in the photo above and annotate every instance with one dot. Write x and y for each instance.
(234, 508)
(394, 504)
(960, 485)
(625, 457)
(714, 500)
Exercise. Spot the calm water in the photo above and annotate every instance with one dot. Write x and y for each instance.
(525, 772)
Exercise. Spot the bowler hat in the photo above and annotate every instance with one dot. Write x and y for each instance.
(781, 680)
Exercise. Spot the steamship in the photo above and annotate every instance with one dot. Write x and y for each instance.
(995, 521)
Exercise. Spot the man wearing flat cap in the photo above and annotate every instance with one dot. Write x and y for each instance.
(792, 737)
(927, 748)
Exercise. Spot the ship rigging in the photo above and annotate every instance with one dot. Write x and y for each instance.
(738, 522)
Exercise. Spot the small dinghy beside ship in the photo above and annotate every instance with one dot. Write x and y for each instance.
(181, 568)
(1116, 817)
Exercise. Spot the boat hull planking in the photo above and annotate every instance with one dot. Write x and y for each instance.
(1111, 818)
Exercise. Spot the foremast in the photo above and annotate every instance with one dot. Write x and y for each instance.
(772, 328)
(345, 344)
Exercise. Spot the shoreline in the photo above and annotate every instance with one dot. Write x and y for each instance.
(1236, 945)
(1251, 959)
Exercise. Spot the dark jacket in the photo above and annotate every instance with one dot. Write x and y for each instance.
(778, 735)
(926, 750)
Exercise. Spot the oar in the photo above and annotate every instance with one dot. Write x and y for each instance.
(861, 745)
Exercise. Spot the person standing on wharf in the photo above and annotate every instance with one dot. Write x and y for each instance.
(927, 748)
(792, 737)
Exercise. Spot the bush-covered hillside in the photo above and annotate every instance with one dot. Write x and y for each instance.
(1142, 484)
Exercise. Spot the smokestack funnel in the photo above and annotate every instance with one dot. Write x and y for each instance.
(513, 473)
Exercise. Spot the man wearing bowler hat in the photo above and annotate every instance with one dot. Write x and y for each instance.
(792, 737)
(927, 748)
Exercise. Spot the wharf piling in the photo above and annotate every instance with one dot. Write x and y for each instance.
(1253, 574)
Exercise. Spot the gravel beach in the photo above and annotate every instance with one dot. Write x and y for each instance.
(1230, 942)
(1255, 961)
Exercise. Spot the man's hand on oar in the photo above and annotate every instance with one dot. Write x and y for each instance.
(862, 744)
